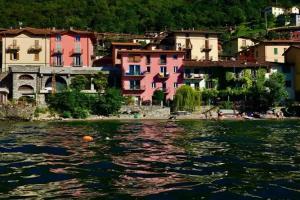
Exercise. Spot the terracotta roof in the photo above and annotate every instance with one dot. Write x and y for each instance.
(136, 51)
(33, 31)
(125, 44)
(195, 31)
(229, 64)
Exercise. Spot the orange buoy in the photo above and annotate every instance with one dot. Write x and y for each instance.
(88, 138)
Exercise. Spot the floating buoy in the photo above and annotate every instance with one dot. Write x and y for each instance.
(88, 138)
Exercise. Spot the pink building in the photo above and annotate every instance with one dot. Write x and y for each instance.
(144, 71)
(71, 48)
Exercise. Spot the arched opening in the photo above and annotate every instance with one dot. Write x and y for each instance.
(61, 84)
(26, 77)
(26, 89)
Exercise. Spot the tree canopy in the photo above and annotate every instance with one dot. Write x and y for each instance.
(132, 16)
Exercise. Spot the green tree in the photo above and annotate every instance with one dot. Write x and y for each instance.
(186, 98)
(79, 82)
(108, 103)
(158, 97)
(100, 81)
(276, 88)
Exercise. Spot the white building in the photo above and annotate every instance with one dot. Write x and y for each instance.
(276, 11)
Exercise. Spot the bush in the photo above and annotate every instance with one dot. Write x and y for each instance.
(186, 99)
(109, 103)
(158, 97)
(79, 113)
(79, 82)
(226, 105)
(66, 114)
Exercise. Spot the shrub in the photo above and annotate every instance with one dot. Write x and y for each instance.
(66, 114)
(158, 96)
(186, 99)
(79, 113)
(79, 82)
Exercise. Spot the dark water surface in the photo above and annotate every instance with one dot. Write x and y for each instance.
(150, 160)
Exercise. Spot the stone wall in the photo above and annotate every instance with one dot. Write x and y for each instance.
(145, 112)
(17, 112)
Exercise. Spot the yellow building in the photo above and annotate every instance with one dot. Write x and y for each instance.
(235, 45)
(292, 57)
(198, 45)
(26, 47)
(273, 50)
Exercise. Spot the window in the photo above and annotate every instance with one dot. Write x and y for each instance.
(188, 83)
(175, 57)
(134, 69)
(175, 85)
(163, 59)
(77, 61)
(244, 43)
(134, 59)
(197, 86)
(209, 84)
(14, 56)
(77, 38)
(275, 51)
(148, 59)
(36, 56)
(153, 85)
(175, 69)
(163, 70)
(36, 43)
(148, 69)
(288, 84)
(26, 77)
(58, 38)
(14, 42)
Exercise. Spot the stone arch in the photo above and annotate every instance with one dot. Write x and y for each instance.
(61, 83)
(26, 89)
(26, 77)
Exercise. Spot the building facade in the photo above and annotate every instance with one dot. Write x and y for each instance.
(28, 46)
(273, 50)
(233, 46)
(145, 71)
(276, 11)
(71, 48)
(198, 45)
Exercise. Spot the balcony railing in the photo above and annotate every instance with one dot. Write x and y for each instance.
(135, 73)
(163, 75)
(58, 64)
(135, 88)
(77, 64)
(57, 51)
(13, 47)
(76, 51)
(35, 48)
(206, 47)
(194, 76)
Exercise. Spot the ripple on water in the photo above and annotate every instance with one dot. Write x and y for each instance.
(151, 159)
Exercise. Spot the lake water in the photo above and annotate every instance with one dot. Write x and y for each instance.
(150, 160)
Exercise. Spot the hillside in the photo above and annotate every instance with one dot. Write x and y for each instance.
(133, 16)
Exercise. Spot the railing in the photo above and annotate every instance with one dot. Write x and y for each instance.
(13, 47)
(135, 73)
(34, 48)
(57, 51)
(135, 88)
(193, 76)
(57, 64)
(206, 47)
(163, 75)
(76, 51)
(75, 64)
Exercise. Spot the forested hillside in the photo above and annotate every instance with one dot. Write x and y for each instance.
(133, 16)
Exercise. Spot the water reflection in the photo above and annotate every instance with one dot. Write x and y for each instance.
(151, 159)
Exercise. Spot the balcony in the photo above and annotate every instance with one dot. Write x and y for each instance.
(134, 74)
(57, 64)
(165, 75)
(134, 88)
(13, 48)
(35, 48)
(77, 64)
(57, 51)
(206, 48)
(194, 76)
(76, 51)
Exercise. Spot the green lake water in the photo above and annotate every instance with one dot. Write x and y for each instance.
(150, 160)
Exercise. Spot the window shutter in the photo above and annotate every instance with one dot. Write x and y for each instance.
(18, 57)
